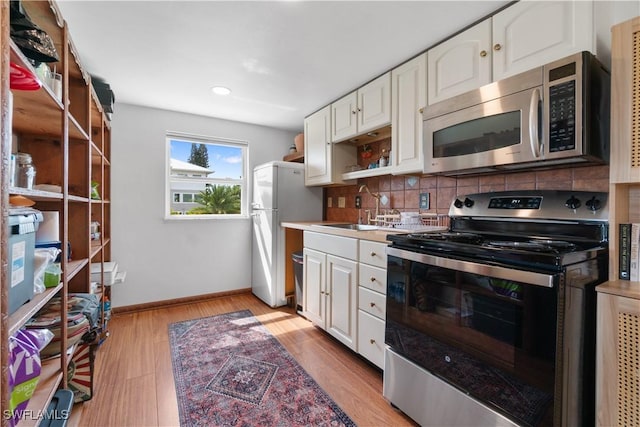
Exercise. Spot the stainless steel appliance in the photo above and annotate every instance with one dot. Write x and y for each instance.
(279, 194)
(493, 321)
(550, 115)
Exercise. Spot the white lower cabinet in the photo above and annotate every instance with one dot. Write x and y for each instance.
(344, 291)
(330, 285)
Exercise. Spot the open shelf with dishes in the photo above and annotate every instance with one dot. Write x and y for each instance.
(63, 128)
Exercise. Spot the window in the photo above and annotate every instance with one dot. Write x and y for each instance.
(206, 177)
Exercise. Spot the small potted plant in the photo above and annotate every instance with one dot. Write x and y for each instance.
(366, 151)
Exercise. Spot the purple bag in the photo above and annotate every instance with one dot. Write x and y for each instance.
(24, 368)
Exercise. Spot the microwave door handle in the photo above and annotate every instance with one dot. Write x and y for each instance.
(534, 123)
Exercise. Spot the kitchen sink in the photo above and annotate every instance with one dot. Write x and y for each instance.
(356, 227)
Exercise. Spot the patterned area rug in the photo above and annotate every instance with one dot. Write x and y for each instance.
(230, 371)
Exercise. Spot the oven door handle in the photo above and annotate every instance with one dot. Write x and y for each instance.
(527, 277)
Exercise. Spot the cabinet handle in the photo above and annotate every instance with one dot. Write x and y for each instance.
(373, 279)
(359, 109)
(321, 292)
(497, 46)
(372, 341)
(373, 304)
(354, 112)
(327, 294)
(421, 110)
(373, 254)
(483, 53)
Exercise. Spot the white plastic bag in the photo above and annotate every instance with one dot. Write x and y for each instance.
(42, 258)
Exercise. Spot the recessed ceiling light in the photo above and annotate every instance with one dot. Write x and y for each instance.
(221, 90)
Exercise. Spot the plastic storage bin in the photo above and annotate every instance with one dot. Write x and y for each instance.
(298, 269)
(22, 245)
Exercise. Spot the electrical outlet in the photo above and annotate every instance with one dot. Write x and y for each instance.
(424, 200)
(358, 202)
(342, 202)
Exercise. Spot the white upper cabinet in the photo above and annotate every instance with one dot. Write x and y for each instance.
(461, 63)
(532, 33)
(344, 117)
(324, 162)
(317, 148)
(523, 36)
(409, 95)
(363, 110)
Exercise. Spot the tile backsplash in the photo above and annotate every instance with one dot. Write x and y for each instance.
(403, 192)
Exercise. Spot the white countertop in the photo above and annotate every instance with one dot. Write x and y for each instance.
(377, 235)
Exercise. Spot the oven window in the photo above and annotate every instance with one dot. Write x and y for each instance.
(474, 330)
(478, 135)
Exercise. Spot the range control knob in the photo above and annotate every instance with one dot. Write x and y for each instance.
(468, 202)
(593, 204)
(458, 203)
(573, 203)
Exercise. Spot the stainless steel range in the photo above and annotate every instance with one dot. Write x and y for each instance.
(493, 321)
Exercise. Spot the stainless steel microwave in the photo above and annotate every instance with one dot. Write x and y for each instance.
(552, 115)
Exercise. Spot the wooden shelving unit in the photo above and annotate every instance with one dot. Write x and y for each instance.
(618, 326)
(69, 139)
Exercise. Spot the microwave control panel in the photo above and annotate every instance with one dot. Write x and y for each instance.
(562, 116)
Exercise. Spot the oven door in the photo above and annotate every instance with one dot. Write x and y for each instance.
(489, 331)
(499, 132)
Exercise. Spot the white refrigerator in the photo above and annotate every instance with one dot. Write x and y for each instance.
(279, 195)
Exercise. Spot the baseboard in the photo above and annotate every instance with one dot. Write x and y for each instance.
(177, 301)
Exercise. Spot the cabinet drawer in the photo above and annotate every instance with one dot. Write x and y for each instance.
(371, 338)
(373, 253)
(374, 278)
(372, 302)
(344, 247)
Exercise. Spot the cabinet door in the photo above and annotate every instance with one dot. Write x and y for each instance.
(344, 113)
(617, 360)
(374, 104)
(409, 82)
(317, 148)
(460, 64)
(532, 33)
(341, 314)
(313, 284)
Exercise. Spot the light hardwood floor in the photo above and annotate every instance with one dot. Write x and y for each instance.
(134, 384)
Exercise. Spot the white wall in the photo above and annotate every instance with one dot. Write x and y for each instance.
(167, 259)
(606, 14)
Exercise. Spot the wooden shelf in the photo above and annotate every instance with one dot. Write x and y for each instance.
(294, 157)
(35, 195)
(623, 288)
(27, 311)
(365, 173)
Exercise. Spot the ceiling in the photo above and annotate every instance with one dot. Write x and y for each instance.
(282, 59)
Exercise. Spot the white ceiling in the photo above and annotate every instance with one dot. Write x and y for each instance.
(282, 59)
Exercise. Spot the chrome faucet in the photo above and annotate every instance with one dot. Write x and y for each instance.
(375, 196)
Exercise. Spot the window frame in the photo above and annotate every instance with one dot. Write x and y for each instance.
(242, 182)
